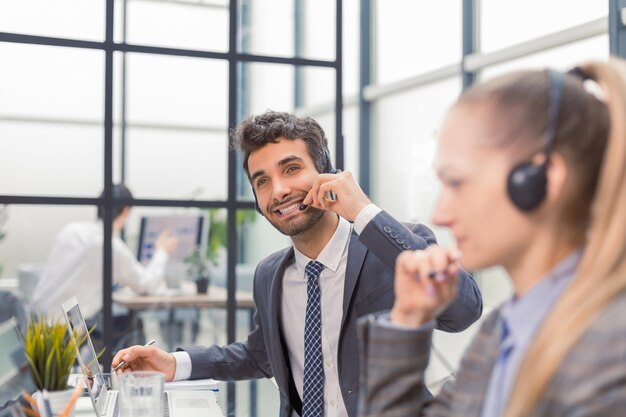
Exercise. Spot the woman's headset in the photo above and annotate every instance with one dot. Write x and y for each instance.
(328, 169)
(527, 182)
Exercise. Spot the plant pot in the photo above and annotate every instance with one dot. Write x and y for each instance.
(202, 285)
(57, 399)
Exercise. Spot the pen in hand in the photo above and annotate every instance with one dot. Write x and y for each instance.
(119, 365)
(330, 196)
(439, 275)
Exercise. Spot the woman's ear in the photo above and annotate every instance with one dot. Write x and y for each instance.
(557, 177)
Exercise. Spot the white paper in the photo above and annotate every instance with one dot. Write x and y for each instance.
(193, 384)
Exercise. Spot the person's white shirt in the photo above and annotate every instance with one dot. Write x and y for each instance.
(74, 268)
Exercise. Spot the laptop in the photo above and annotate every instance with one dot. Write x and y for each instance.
(15, 373)
(105, 401)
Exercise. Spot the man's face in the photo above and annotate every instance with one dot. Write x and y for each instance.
(282, 174)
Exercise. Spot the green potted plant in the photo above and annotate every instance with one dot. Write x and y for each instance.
(202, 262)
(51, 353)
(198, 270)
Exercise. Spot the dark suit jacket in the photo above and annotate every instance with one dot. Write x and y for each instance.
(368, 288)
(591, 381)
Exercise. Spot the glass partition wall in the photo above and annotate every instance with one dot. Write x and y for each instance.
(145, 92)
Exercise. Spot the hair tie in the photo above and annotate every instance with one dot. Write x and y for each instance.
(579, 73)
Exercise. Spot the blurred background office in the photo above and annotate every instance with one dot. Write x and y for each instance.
(144, 92)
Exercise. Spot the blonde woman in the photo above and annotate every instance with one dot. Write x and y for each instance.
(533, 169)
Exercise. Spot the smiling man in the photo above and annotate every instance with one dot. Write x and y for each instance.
(309, 295)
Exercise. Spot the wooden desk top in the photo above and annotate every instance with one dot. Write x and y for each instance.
(215, 298)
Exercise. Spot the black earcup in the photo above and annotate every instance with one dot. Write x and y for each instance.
(256, 202)
(526, 185)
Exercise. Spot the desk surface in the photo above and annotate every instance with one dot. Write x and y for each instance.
(84, 408)
(215, 298)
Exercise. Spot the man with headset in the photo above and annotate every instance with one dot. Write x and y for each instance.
(310, 295)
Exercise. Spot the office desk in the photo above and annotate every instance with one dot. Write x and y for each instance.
(84, 408)
(215, 298)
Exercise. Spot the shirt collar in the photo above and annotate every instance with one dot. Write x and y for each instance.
(331, 255)
(523, 315)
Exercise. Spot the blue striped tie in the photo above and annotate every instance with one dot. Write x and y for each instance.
(313, 398)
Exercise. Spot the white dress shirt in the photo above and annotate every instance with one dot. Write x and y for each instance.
(334, 257)
(74, 268)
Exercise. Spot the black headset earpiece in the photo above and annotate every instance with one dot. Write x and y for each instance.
(328, 165)
(527, 182)
(256, 202)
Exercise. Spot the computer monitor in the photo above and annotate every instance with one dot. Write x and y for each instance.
(187, 228)
(15, 373)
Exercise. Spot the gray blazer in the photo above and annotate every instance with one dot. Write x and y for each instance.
(368, 288)
(591, 381)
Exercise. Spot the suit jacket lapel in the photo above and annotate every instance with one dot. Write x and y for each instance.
(356, 257)
(279, 355)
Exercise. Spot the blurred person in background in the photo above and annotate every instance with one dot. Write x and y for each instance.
(74, 267)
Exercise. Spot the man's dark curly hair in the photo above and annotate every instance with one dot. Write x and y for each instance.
(256, 131)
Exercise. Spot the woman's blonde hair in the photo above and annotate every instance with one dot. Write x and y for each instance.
(592, 140)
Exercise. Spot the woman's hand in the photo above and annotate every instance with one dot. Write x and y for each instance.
(425, 284)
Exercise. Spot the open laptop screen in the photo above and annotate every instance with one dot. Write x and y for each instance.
(14, 370)
(87, 358)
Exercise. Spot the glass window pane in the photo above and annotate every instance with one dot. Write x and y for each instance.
(30, 230)
(74, 19)
(505, 23)
(319, 86)
(268, 27)
(351, 45)
(351, 139)
(561, 58)
(409, 41)
(403, 149)
(270, 86)
(319, 21)
(47, 82)
(177, 90)
(50, 159)
(177, 164)
(180, 24)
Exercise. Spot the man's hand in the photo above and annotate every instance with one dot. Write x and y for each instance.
(425, 284)
(350, 198)
(146, 358)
